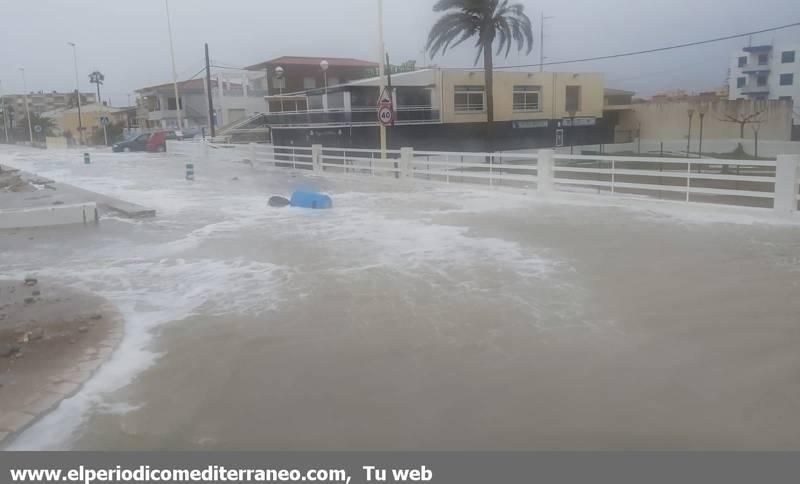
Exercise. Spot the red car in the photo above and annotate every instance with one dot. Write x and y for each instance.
(158, 141)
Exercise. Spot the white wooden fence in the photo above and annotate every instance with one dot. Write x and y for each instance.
(757, 183)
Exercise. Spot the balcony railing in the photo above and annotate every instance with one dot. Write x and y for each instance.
(755, 89)
(364, 116)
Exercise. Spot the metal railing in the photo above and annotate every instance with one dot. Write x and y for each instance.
(358, 116)
(755, 183)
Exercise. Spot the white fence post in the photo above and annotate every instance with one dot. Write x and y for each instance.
(545, 171)
(787, 174)
(316, 157)
(406, 162)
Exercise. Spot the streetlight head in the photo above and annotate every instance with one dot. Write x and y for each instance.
(324, 65)
(71, 43)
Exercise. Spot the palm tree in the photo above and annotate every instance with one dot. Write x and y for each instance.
(97, 78)
(488, 20)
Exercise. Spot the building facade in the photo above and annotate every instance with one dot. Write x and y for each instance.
(40, 102)
(766, 72)
(236, 94)
(446, 109)
(290, 74)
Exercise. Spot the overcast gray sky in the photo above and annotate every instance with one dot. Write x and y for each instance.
(127, 41)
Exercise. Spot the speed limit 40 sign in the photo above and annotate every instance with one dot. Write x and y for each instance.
(385, 113)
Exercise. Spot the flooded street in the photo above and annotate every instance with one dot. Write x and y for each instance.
(416, 317)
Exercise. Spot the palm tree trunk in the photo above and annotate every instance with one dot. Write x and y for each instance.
(488, 72)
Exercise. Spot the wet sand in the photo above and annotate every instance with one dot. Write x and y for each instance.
(432, 318)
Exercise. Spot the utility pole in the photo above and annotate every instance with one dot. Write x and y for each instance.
(27, 111)
(174, 72)
(210, 97)
(541, 41)
(3, 107)
(77, 90)
(382, 84)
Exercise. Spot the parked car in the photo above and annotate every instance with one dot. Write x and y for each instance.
(158, 141)
(134, 143)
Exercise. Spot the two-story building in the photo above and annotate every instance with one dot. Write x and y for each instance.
(236, 94)
(446, 109)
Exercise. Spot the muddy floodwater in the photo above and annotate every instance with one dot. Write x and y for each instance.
(417, 317)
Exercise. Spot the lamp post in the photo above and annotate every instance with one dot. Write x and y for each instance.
(689, 112)
(3, 107)
(27, 111)
(702, 113)
(174, 72)
(571, 131)
(77, 90)
(324, 66)
(382, 83)
(279, 76)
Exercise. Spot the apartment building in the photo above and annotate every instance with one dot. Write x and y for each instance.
(767, 72)
(447, 109)
(40, 102)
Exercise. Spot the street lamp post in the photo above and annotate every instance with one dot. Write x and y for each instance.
(279, 76)
(77, 89)
(690, 113)
(174, 72)
(27, 111)
(702, 113)
(382, 82)
(3, 107)
(324, 65)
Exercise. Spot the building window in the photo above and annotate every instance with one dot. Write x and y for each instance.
(468, 99)
(761, 81)
(740, 82)
(526, 98)
(309, 83)
(572, 99)
(787, 57)
(787, 79)
(785, 98)
(763, 59)
(742, 61)
(171, 105)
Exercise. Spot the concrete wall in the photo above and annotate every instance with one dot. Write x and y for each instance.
(48, 216)
(551, 98)
(670, 121)
(56, 142)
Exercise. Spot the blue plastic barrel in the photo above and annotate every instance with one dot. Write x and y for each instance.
(311, 200)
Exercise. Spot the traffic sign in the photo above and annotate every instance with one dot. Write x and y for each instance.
(385, 114)
(104, 120)
(37, 128)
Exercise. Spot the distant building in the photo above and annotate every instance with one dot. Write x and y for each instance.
(39, 102)
(66, 120)
(766, 71)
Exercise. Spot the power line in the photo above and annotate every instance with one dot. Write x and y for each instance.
(658, 49)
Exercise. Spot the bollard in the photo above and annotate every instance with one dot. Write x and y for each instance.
(190, 171)
(86, 159)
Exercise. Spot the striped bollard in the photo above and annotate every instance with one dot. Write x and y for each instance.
(86, 159)
(190, 171)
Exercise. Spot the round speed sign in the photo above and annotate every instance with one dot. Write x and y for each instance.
(385, 114)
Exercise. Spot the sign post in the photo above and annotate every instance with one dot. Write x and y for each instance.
(104, 122)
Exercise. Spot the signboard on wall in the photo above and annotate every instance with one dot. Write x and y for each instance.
(579, 121)
(530, 123)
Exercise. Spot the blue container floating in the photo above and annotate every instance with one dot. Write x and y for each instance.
(311, 200)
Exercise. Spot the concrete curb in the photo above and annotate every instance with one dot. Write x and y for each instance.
(65, 384)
